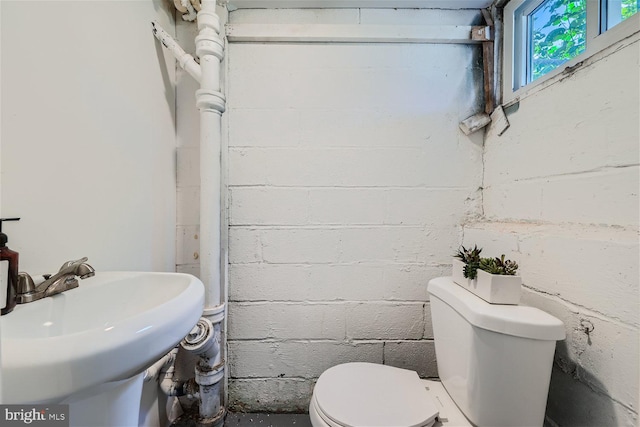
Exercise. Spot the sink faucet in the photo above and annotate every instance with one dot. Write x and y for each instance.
(63, 280)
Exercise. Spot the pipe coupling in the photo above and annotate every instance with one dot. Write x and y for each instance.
(201, 339)
(209, 377)
(209, 44)
(215, 421)
(209, 100)
(214, 314)
(208, 19)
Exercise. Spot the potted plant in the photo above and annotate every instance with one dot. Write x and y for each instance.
(492, 279)
(466, 264)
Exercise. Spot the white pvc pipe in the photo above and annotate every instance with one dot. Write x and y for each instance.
(186, 61)
(210, 207)
(164, 370)
(204, 341)
(152, 372)
(177, 388)
(211, 103)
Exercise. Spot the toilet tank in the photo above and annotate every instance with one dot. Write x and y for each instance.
(494, 360)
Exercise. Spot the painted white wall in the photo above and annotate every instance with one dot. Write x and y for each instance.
(561, 194)
(88, 137)
(188, 158)
(348, 183)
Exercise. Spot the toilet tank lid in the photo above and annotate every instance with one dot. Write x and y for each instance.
(516, 320)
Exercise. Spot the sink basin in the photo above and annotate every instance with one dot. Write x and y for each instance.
(110, 328)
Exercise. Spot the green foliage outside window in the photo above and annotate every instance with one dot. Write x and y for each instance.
(558, 30)
(629, 7)
(558, 33)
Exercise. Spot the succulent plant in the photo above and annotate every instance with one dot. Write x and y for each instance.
(471, 259)
(498, 266)
(468, 255)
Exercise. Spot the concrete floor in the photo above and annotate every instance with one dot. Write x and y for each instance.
(266, 420)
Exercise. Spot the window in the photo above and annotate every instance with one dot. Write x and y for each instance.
(615, 11)
(557, 32)
(542, 37)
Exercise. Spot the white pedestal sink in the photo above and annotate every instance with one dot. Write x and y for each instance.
(87, 346)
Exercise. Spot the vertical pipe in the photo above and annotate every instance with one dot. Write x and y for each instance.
(497, 14)
(210, 207)
(211, 103)
(210, 371)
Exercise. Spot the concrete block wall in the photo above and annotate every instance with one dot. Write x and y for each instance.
(561, 198)
(349, 182)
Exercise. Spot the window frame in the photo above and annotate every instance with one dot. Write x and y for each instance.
(515, 63)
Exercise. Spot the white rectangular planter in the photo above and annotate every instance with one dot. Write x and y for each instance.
(493, 288)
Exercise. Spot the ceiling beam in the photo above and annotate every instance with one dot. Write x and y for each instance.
(332, 33)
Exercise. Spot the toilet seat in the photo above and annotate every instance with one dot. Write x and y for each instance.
(372, 395)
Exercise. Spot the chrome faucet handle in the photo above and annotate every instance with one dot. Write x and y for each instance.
(25, 283)
(84, 271)
(73, 263)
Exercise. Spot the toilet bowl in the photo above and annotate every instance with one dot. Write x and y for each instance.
(373, 395)
(494, 364)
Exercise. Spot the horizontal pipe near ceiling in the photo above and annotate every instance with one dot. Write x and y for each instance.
(336, 33)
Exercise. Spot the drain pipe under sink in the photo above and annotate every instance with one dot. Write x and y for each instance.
(163, 370)
(204, 342)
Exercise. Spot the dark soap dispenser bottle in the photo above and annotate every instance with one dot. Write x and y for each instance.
(8, 272)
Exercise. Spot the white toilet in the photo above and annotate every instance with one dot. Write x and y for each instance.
(494, 362)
